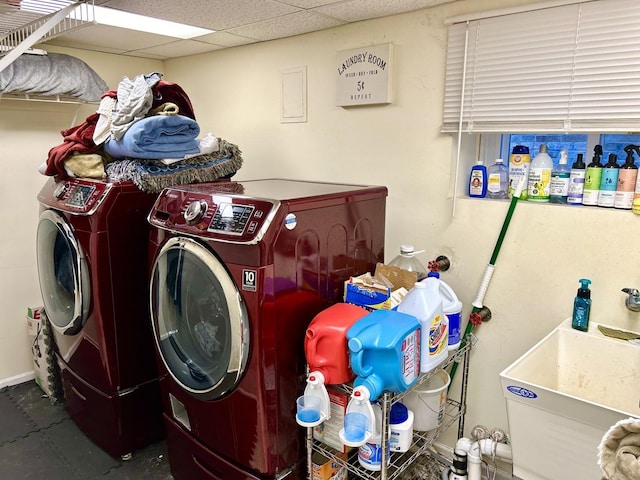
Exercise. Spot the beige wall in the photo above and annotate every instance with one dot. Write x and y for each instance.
(236, 95)
(28, 130)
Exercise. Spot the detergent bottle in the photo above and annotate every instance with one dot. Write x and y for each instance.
(359, 419)
(452, 309)
(384, 349)
(325, 342)
(425, 303)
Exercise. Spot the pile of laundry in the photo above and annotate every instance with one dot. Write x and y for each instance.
(145, 132)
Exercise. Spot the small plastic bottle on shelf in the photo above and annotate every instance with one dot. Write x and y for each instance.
(560, 175)
(498, 183)
(626, 180)
(576, 181)
(407, 261)
(540, 176)
(478, 180)
(519, 163)
(609, 182)
(593, 175)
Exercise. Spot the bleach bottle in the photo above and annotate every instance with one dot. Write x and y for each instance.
(425, 303)
(370, 454)
(452, 309)
(384, 349)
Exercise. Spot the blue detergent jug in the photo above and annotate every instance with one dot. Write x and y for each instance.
(384, 350)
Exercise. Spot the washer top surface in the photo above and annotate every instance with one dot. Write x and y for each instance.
(274, 188)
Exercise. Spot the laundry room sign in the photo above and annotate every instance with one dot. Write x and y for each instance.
(364, 75)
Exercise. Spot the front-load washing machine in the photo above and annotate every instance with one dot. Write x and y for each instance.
(237, 273)
(92, 252)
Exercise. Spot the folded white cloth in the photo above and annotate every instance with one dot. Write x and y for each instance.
(619, 451)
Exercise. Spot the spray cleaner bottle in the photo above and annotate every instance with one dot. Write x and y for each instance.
(560, 180)
(609, 182)
(627, 180)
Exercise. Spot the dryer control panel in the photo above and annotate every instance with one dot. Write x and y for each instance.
(221, 216)
(75, 195)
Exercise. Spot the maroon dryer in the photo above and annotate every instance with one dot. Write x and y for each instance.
(237, 273)
(92, 251)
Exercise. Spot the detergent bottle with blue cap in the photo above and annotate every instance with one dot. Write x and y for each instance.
(384, 349)
(425, 303)
(452, 309)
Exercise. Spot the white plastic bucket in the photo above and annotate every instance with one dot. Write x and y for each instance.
(428, 401)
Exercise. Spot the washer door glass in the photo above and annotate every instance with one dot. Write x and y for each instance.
(200, 322)
(63, 274)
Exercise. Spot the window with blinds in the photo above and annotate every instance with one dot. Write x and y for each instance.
(568, 68)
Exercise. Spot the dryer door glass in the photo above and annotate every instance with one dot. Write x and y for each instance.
(63, 274)
(200, 322)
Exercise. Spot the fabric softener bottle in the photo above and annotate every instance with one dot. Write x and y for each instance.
(582, 306)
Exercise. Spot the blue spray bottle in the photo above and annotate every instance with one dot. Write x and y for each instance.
(582, 306)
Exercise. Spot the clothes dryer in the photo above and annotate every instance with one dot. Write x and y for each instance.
(92, 252)
(237, 273)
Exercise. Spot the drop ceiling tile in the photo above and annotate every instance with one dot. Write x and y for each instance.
(109, 39)
(286, 26)
(355, 10)
(179, 48)
(225, 39)
(216, 15)
(307, 4)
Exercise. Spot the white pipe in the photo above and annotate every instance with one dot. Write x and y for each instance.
(475, 450)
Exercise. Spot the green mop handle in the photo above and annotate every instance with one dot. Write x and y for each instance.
(486, 279)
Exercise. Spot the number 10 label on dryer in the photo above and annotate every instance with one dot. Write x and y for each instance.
(249, 280)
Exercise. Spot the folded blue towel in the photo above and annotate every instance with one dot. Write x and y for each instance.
(158, 136)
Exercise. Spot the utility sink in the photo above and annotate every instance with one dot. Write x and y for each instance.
(563, 395)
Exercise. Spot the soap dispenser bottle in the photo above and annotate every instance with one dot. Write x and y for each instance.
(582, 306)
(576, 181)
(593, 176)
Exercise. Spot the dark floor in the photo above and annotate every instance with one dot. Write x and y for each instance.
(38, 440)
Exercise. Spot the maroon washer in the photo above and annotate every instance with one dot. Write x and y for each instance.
(237, 273)
(92, 251)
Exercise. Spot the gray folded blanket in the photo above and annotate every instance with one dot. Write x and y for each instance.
(52, 74)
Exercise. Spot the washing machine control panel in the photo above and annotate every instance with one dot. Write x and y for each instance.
(75, 195)
(218, 216)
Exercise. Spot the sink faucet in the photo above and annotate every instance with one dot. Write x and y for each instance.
(632, 302)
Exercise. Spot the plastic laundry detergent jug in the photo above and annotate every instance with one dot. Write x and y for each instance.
(325, 342)
(384, 348)
(452, 308)
(425, 303)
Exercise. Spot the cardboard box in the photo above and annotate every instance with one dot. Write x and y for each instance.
(324, 468)
(373, 293)
(328, 431)
(365, 292)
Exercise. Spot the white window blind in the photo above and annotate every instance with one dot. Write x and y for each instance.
(571, 68)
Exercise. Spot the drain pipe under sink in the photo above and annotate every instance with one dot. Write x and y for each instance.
(474, 451)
